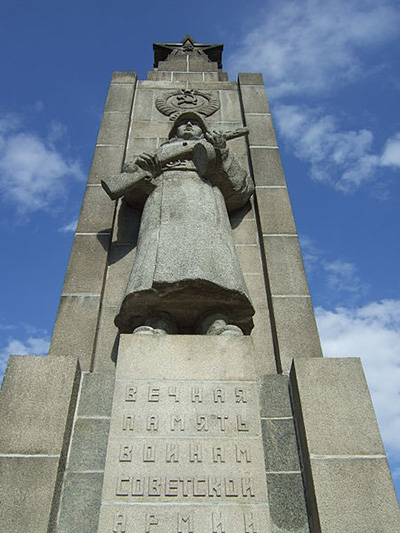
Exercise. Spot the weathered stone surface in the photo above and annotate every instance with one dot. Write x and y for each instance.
(137, 146)
(97, 211)
(262, 131)
(267, 167)
(230, 106)
(89, 444)
(87, 265)
(107, 161)
(254, 99)
(34, 417)
(149, 130)
(105, 353)
(75, 328)
(285, 265)
(26, 493)
(276, 215)
(296, 329)
(245, 232)
(264, 356)
(80, 503)
(249, 258)
(113, 129)
(280, 446)
(119, 268)
(355, 495)
(274, 396)
(287, 504)
(336, 407)
(201, 64)
(126, 225)
(96, 394)
(250, 79)
(187, 76)
(123, 77)
(143, 106)
(178, 63)
(119, 97)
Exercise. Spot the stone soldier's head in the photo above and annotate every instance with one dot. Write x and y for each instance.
(188, 125)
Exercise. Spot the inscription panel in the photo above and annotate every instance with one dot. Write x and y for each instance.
(181, 519)
(185, 451)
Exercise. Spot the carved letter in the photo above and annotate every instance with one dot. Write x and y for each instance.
(241, 424)
(217, 524)
(174, 391)
(152, 423)
(154, 394)
(219, 396)
(199, 487)
(230, 487)
(177, 419)
(149, 453)
(121, 489)
(197, 395)
(128, 422)
(154, 486)
(222, 419)
(138, 486)
(218, 454)
(249, 523)
(202, 423)
(215, 486)
(172, 453)
(119, 523)
(151, 520)
(171, 487)
(243, 452)
(130, 394)
(185, 523)
(195, 455)
(247, 487)
(125, 454)
(240, 395)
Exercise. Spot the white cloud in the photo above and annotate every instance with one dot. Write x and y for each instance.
(312, 46)
(33, 172)
(371, 332)
(343, 159)
(29, 346)
(391, 153)
(343, 276)
(71, 227)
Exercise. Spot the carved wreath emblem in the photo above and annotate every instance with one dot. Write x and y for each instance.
(172, 103)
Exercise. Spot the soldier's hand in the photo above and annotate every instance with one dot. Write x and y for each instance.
(217, 139)
(149, 162)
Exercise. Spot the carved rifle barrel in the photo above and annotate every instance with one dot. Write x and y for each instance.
(119, 185)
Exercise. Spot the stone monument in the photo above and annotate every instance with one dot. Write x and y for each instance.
(185, 389)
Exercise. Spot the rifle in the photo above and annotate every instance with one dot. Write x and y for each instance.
(121, 184)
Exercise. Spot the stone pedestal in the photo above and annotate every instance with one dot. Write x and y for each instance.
(185, 451)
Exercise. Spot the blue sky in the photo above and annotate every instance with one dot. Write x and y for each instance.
(332, 74)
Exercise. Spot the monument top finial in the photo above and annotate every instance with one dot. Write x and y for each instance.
(188, 46)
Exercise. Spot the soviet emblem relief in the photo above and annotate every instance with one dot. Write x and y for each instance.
(172, 103)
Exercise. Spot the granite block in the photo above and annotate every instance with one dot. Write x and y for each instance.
(201, 64)
(75, 328)
(336, 407)
(119, 97)
(287, 504)
(80, 503)
(230, 106)
(296, 329)
(26, 493)
(264, 357)
(280, 446)
(143, 105)
(254, 99)
(105, 353)
(87, 264)
(126, 225)
(96, 394)
(245, 232)
(275, 211)
(246, 78)
(215, 76)
(149, 129)
(285, 266)
(187, 76)
(113, 129)
(89, 444)
(34, 417)
(262, 131)
(107, 161)
(267, 167)
(178, 63)
(136, 146)
(120, 266)
(274, 396)
(97, 211)
(123, 77)
(255, 284)
(355, 495)
(249, 258)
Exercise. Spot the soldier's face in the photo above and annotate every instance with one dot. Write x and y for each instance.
(189, 130)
